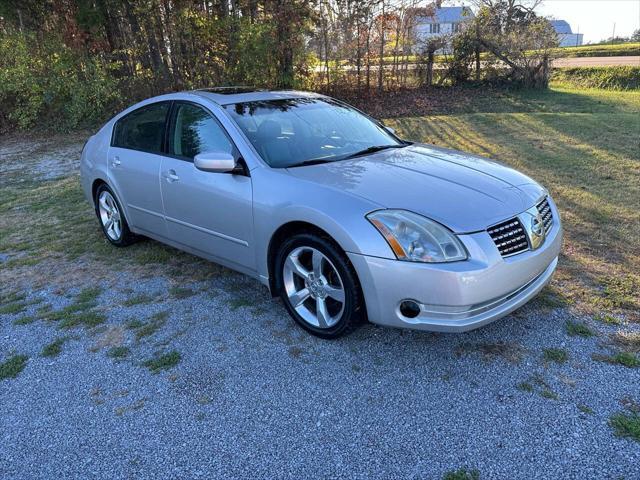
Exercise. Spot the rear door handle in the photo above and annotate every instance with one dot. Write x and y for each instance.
(171, 176)
(115, 161)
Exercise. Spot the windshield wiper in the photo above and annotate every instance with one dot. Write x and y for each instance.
(374, 149)
(366, 151)
(313, 161)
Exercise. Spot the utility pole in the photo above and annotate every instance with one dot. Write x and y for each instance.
(613, 37)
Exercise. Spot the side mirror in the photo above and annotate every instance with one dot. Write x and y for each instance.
(392, 131)
(218, 162)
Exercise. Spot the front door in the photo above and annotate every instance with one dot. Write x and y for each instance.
(134, 166)
(209, 212)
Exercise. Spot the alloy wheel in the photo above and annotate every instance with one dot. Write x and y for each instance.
(110, 215)
(313, 287)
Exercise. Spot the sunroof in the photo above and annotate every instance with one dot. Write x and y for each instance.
(231, 90)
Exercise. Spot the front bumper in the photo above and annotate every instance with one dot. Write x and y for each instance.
(459, 296)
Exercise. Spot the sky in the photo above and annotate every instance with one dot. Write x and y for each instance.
(593, 18)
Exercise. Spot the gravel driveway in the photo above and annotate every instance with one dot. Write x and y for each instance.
(171, 367)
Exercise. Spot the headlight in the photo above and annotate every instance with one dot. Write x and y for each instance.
(415, 238)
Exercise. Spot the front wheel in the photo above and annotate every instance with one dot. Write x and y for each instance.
(318, 286)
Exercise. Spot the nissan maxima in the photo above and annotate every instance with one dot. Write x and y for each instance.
(326, 206)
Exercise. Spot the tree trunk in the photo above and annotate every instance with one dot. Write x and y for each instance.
(381, 53)
(358, 55)
(430, 61)
(368, 58)
(477, 52)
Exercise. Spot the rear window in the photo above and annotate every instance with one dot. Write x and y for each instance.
(142, 129)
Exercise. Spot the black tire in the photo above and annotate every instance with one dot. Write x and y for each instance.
(126, 237)
(353, 312)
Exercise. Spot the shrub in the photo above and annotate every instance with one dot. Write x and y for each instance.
(49, 81)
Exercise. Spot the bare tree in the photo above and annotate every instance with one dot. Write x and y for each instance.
(513, 33)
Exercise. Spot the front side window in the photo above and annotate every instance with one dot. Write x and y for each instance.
(196, 131)
(291, 131)
(142, 129)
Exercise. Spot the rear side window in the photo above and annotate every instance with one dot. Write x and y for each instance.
(196, 131)
(142, 129)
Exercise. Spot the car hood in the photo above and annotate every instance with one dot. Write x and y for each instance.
(464, 192)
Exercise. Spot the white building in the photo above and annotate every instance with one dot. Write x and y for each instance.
(436, 21)
(565, 36)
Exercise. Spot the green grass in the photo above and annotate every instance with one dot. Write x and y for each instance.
(134, 324)
(153, 253)
(239, 302)
(41, 208)
(626, 359)
(137, 300)
(610, 78)
(557, 355)
(602, 50)
(149, 328)
(577, 144)
(14, 303)
(12, 308)
(549, 394)
(54, 348)
(537, 384)
(525, 387)
(608, 319)
(12, 367)
(24, 320)
(163, 362)
(79, 313)
(118, 352)
(180, 292)
(626, 425)
(578, 329)
(88, 296)
(585, 409)
(87, 319)
(462, 474)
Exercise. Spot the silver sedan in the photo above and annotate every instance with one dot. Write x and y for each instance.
(325, 206)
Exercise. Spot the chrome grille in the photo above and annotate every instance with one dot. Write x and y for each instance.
(545, 212)
(509, 237)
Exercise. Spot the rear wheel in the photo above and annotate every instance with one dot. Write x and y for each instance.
(318, 286)
(112, 220)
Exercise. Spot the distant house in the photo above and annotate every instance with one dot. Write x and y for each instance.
(565, 36)
(434, 21)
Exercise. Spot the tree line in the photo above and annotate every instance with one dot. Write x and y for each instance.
(61, 56)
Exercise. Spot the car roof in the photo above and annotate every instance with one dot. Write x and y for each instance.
(230, 95)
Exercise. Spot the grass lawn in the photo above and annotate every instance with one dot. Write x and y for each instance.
(602, 50)
(584, 146)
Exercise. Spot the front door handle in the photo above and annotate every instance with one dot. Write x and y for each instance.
(115, 161)
(171, 176)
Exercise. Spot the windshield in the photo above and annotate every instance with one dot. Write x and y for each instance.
(293, 131)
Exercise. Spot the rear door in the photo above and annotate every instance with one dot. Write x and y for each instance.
(209, 212)
(134, 166)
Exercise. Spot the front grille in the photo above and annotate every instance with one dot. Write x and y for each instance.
(545, 211)
(509, 237)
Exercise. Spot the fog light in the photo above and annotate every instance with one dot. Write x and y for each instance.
(410, 309)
